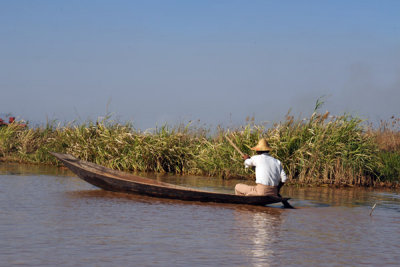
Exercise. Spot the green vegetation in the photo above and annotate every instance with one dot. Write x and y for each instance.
(323, 149)
(387, 138)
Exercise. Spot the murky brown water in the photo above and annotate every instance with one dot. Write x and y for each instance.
(50, 218)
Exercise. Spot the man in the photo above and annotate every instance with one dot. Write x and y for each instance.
(270, 176)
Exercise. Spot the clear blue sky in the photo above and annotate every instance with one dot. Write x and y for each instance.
(217, 61)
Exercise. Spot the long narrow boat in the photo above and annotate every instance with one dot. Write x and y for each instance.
(118, 181)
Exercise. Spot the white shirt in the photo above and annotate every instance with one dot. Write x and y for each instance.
(269, 170)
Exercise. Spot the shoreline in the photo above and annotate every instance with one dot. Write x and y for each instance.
(291, 183)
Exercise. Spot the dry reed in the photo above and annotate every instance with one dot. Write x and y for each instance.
(321, 149)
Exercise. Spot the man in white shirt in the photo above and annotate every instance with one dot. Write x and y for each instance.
(270, 175)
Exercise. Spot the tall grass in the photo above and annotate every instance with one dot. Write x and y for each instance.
(321, 149)
(387, 138)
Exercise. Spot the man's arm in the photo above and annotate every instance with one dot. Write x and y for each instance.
(248, 161)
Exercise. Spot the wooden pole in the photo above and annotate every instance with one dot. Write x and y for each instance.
(234, 146)
(373, 207)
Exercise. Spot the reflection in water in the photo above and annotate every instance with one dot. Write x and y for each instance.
(12, 168)
(48, 220)
(254, 229)
(259, 229)
(349, 197)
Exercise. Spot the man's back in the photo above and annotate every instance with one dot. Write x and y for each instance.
(269, 170)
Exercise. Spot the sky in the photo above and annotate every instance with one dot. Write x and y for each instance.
(173, 61)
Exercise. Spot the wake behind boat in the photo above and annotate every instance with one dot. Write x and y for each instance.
(117, 181)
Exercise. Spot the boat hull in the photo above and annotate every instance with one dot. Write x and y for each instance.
(112, 180)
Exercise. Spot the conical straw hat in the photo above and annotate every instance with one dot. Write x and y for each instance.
(262, 146)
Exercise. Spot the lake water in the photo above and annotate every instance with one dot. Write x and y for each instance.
(48, 217)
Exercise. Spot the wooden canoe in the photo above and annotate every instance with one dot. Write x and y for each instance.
(118, 181)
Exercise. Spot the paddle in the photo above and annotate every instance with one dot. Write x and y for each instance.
(284, 201)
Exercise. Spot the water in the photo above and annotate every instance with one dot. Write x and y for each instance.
(48, 217)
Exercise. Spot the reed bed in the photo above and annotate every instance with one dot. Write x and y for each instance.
(387, 138)
(322, 149)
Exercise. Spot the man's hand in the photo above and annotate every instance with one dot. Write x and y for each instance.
(245, 156)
